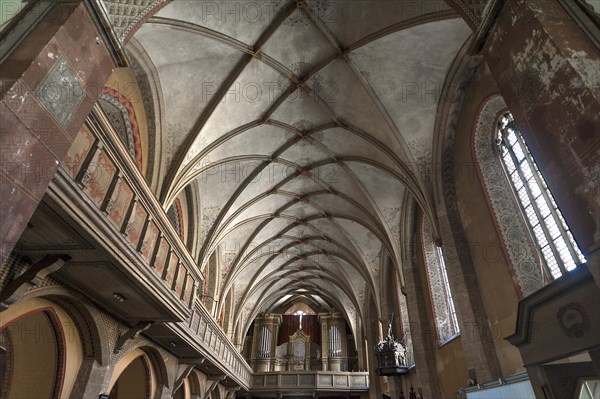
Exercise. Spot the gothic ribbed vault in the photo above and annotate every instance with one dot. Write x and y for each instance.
(303, 136)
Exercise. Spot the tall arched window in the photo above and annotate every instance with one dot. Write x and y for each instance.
(560, 253)
(441, 297)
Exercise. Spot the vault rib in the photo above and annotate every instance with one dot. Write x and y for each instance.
(255, 52)
(304, 198)
(246, 261)
(401, 25)
(211, 235)
(222, 91)
(274, 278)
(408, 176)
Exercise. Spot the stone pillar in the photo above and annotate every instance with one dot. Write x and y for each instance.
(547, 70)
(477, 342)
(90, 380)
(49, 84)
(421, 331)
(361, 349)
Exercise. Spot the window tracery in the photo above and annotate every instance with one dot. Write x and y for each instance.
(560, 253)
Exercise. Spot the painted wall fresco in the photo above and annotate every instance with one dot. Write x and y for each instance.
(98, 177)
(126, 211)
(136, 224)
(78, 152)
(119, 203)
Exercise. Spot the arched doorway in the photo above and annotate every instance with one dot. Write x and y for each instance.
(133, 382)
(40, 342)
(33, 350)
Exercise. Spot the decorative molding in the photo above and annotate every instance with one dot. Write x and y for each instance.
(510, 224)
(127, 15)
(131, 333)
(34, 275)
(121, 114)
(61, 92)
(573, 319)
(437, 289)
(527, 305)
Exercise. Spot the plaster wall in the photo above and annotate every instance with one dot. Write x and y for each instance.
(498, 291)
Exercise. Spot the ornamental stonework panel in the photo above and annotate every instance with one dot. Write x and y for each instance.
(511, 227)
(61, 92)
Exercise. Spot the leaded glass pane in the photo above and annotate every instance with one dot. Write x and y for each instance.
(518, 152)
(538, 231)
(530, 212)
(510, 166)
(565, 255)
(551, 261)
(552, 226)
(542, 206)
(512, 139)
(526, 169)
(517, 182)
(523, 196)
(535, 188)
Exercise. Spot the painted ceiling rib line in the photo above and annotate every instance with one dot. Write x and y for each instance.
(202, 30)
(295, 200)
(392, 245)
(382, 110)
(223, 211)
(326, 215)
(225, 229)
(348, 258)
(222, 38)
(234, 197)
(407, 176)
(283, 273)
(405, 24)
(249, 257)
(222, 90)
(367, 278)
(205, 115)
(271, 281)
(315, 19)
(242, 129)
(265, 117)
(410, 180)
(381, 235)
(330, 153)
(266, 161)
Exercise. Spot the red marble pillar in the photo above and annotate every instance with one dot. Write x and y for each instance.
(548, 71)
(49, 84)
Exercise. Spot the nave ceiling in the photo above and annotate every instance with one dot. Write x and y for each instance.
(304, 128)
